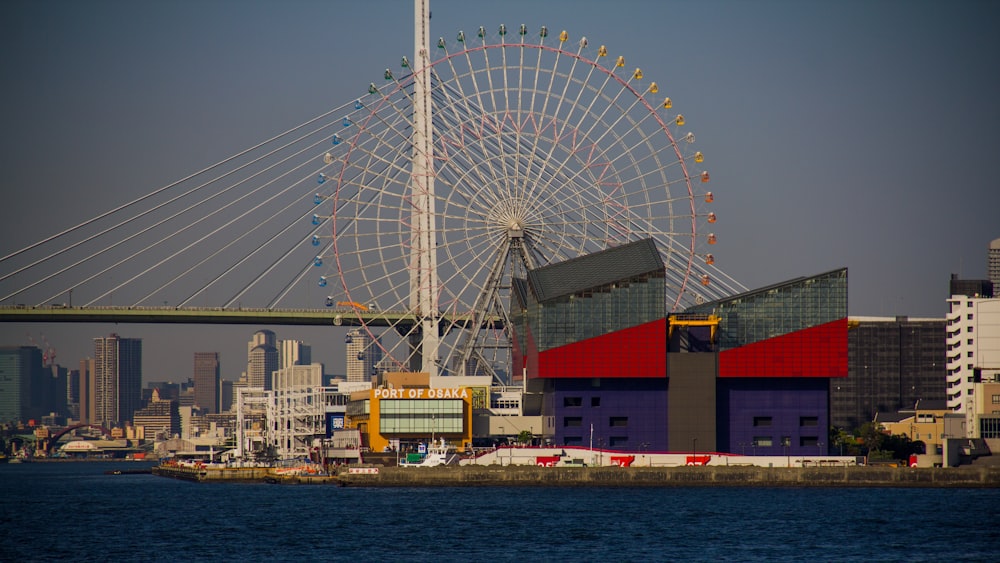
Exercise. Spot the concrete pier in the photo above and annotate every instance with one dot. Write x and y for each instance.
(978, 477)
(529, 476)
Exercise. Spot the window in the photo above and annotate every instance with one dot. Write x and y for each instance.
(618, 421)
(572, 401)
(618, 441)
(809, 441)
(968, 329)
(996, 399)
(572, 421)
(595, 401)
(969, 353)
(969, 316)
(762, 441)
(809, 421)
(762, 421)
(573, 440)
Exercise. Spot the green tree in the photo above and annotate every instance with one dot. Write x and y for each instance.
(524, 437)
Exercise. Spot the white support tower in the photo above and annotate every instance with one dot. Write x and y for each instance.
(423, 273)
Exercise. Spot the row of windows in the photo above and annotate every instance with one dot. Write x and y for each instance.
(425, 406)
(786, 441)
(578, 401)
(613, 441)
(613, 422)
(782, 310)
(594, 313)
(805, 421)
(989, 428)
(415, 424)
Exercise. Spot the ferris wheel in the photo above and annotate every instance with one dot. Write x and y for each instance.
(543, 149)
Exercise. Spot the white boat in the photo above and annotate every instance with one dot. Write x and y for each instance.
(437, 454)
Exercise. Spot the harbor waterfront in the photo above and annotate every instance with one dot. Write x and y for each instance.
(521, 476)
(156, 519)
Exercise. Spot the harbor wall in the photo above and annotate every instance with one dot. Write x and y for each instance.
(980, 477)
(228, 474)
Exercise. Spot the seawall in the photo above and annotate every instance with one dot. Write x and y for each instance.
(463, 476)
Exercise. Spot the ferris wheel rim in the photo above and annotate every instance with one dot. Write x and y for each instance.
(625, 84)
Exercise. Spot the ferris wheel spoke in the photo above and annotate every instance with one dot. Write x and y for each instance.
(540, 155)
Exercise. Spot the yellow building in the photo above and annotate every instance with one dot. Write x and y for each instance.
(403, 411)
(925, 423)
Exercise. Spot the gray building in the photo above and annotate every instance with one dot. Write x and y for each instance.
(262, 359)
(20, 369)
(892, 363)
(206, 381)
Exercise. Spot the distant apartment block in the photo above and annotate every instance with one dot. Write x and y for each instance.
(117, 379)
(973, 348)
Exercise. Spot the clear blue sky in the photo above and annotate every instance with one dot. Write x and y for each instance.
(852, 133)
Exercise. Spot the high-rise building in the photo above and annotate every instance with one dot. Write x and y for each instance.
(117, 379)
(20, 369)
(206, 381)
(892, 362)
(293, 353)
(973, 344)
(88, 390)
(262, 359)
(993, 263)
(225, 395)
(364, 355)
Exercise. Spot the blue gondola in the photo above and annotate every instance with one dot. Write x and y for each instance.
(317, 199)
(348, 339)
(315, 240)
(322, 281)
(335, 140)
(347, 122)
(361, 356)
(329, 301)
(318, 261)
(315, 219)
(357, 104)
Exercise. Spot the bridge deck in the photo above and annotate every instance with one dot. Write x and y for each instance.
(208, 315)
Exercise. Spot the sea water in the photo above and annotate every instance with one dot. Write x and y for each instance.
(73, 511)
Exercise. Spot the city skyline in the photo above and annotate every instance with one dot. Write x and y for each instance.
(837, 135)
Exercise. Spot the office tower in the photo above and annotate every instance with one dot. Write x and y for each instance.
(364, 355)
(262, 359)
(20, 368)
(225, 395)
(73, 394)
(88, 390)
(50, 394)
(117, 379)
(293, 353)
(206, 381)
(993, 264)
